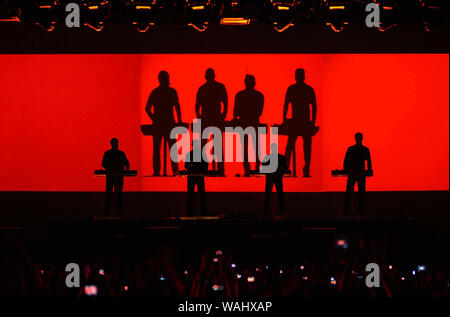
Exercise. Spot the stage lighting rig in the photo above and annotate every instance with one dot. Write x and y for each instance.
(9, 11)
(433, 14)
(388, 14)
(198, 14)
(336, 14)
(143, 14)
(238, 12)
(42, 13)
(95, 13)
(283, 14)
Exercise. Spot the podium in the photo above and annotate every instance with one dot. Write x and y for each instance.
(292, 128)
(154, 129)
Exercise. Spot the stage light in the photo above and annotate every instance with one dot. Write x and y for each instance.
(9, 11)
(95, 13)
(336, 14)
(235, 12)
(198, 14)
(388, 14)
(283, 14)
(433, 14)
(143, 14)
(40, 13)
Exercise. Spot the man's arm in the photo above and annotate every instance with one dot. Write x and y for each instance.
(225, 102)
(347, 159)
(287, 101)
(369, 160)
(261, 105)
(236, 106)
(177, 107)
(126, 162)
(187, 162)
(105, 161)
(149, 106)
(198, 104)
(314, 107)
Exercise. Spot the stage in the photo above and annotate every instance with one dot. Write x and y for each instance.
(285, 238)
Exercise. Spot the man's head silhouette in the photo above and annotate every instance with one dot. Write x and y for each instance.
(250, 81)
(114, 143)
(163, 78)
(359, 138)
(210, 75)
(300, 75)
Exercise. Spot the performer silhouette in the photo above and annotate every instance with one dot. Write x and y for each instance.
(211, 107)
(196, 167)
(114, 161)
(248, 107)
(275, 178)
(354, 166)
(304, 109)
(160, 105)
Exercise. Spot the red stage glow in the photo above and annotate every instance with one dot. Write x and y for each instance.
(59, 112)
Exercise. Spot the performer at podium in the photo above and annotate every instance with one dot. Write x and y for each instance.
(201, 166)
(211, 106)
(114, 161)
(160, 105)
(275, 178)
(355, 166)
(304, 109)
(248, 107)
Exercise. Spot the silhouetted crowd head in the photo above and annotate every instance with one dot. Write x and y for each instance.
(171, 271)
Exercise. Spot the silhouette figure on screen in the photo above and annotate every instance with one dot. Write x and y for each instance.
(114, 162)
(304, 109)
(196, 167)
(211, 107)
(248, 107)
(354, 167)
(160, 106)
(275, 178)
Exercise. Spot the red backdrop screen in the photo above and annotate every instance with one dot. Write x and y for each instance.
(58, 113)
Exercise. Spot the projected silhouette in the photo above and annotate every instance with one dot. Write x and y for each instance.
(160, 105)
(275, 178)
(114, 161)
(304, 109)
(211, 107)
(196, 168)
(354, 166)
(248, 107)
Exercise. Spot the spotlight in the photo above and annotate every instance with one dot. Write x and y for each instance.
(9, 11)
(336, 14)
(433, 14)
(283, 14)
(95, 13)
(41, 13)
(232, 12)
(388, 14)
(198, 13)
(143, 14)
